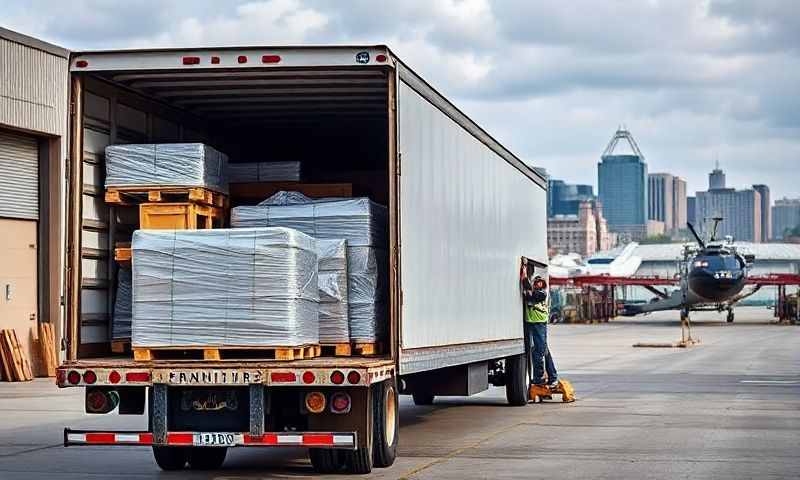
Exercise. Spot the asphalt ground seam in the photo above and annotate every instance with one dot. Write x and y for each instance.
(457, 451)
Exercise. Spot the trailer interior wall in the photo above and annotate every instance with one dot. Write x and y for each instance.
(333, 120)
(467, 215)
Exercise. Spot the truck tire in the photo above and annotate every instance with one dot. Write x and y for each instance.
(170, 458)
(207, 458)
(326, 460)
(359, 461)
(422, 398)
(517, 382)
(386, 425)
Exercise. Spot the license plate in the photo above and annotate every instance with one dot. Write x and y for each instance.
(210, 439)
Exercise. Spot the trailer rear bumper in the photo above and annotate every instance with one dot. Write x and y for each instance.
(337, 440)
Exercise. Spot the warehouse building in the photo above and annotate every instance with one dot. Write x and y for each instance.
(33, 135)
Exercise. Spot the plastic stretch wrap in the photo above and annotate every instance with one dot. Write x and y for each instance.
(227, 287)
(174, 164)
(333, 295)
(121, 320)
(265, 172)
(362, 223)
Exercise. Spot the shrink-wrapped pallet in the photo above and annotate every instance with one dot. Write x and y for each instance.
(361, 222)
(333, 294)
(121, 320)
(364, 224)
(252, 287)
(265, 172)
(166, 164)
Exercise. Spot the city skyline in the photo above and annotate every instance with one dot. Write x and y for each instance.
(715, 80)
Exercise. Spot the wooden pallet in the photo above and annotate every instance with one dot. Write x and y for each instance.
(123, 253)
(47, 349)
(120, 346)
(226, 353)
(155, 194)
(180, 216)
(15, 364)
(337, 349)
(367, 349)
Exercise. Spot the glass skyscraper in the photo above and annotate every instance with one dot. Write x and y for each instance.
(622, 182)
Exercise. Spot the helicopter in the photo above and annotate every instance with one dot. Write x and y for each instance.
(712, 277)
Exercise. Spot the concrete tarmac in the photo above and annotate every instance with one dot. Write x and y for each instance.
(727, 408)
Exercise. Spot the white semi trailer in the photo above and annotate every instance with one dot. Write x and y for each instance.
(462, 208)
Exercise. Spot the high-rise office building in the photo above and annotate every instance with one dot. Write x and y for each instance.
(691, 217)
(679, 206)
(565, 198)
(740, 211)
(659, 198)
(785, 216)
(766, 212)
(622, 182)
(716, 179)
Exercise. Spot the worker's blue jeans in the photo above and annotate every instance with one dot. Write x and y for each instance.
(540, 354)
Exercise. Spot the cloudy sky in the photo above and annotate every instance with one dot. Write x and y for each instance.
(692, 80)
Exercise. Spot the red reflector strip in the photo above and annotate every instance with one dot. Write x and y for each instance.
(312, 439)
(101, 438)
(137, 377)
(180, 438)
(270, 59)
(191, 60)
(282, 377)
(266, 439)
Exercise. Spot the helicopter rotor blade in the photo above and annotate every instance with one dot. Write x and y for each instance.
(696, 236)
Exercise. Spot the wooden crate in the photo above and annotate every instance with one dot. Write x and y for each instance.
(157, 194)
(180, 216)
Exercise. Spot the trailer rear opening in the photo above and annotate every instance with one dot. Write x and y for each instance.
(458, 202)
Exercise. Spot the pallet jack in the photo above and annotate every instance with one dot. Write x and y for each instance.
(539, 393)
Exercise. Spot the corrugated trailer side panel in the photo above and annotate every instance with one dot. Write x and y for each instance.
(467, 215)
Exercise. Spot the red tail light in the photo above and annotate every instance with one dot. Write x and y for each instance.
(74, 377)
(340, 403)
(137, 377)
(241, 59)
(89, 377)
(191, 60)
(353, 377)
(114, 377)
(309, 377)
(101, 401)
(380, 58)
(337, 377)
(215, 60)
(81, 64)
(270, 59)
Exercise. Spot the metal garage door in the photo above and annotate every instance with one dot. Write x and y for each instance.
(19, 173)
